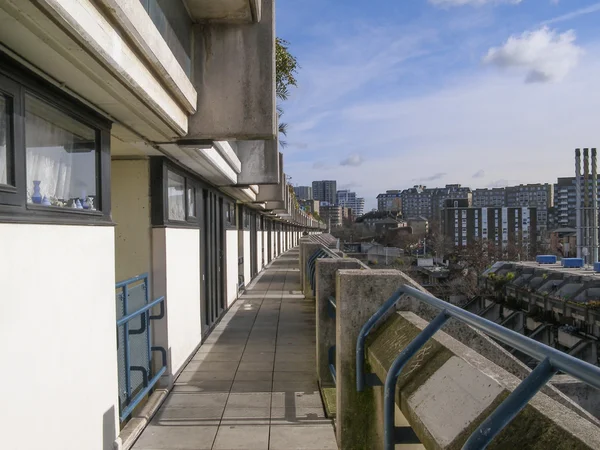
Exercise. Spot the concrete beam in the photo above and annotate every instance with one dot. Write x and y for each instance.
(234, 73)
(359, 293)
(431, 394)
(259, 162)
(225, 11)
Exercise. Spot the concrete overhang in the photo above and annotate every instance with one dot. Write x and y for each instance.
(234, 72)
(225, 11)
(76, 46)
(275, 205)
(244, 195)
(204, 159)
(274, 192)
(260, 162)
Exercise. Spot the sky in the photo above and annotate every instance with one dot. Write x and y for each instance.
(394, 93)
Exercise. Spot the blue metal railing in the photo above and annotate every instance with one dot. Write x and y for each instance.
(133, 294)
(552, 361)
(311, 264)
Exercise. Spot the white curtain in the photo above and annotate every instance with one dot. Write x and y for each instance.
(176, 196)
(47, 159)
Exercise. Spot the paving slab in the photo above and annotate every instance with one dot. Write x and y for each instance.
(252, 385)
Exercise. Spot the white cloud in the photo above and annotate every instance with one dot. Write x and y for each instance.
(574, 14)
(543, 54)
(353, 160)
(446, 3)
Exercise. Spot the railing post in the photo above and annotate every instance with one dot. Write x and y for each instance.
(325, 273)
(359, 294)
(307, 250)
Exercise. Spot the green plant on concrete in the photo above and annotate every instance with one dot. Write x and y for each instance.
(286, 67)
(510, 276)
(544, 276)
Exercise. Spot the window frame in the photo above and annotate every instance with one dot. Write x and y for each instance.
(159, 204)
(17, 82)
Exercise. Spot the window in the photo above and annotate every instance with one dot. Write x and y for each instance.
(54, 153)
(230, 214)
(175, 196)
(61, 158)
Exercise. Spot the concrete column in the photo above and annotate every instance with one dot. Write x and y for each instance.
(307, 250)
(359, 293)
(325, 287)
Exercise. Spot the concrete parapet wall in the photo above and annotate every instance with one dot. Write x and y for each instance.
(325, 287)
(446, 390)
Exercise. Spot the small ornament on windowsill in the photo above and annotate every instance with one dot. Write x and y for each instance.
(36, 197)
(90, 202)
(78, 204)
(46, 201)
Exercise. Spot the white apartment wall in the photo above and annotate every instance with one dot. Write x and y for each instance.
(231, 265)
(259, 250)
(247, 273)
(182, 258)
(58, 324)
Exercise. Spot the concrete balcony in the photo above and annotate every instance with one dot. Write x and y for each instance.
(225, 11)
(234, 69)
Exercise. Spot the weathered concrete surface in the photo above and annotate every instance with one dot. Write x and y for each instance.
(447, 389)
(482, 344)
(230, 11)
(585, 396)
(359, 293)
(260, 162)
(306, 251)
(325, 287)
(234, 73)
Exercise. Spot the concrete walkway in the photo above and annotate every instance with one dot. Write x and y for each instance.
(252, 384)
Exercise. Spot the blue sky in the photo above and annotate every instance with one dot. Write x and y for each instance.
(394, 93)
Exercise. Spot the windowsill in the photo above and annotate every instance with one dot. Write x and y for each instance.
(64, 209)
(47, 215)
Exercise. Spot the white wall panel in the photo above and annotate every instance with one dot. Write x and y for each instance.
(182, 248)
(58, 327)
(231, 265)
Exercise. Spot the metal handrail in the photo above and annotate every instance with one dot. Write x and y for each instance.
(311, 264)
(146, 318)
(552, 361)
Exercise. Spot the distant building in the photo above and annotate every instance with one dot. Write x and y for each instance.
(419, 225)
(347, 215)
(303, 192)
(325, 191)
(416, 201)
(420, 201)
(565, 206)
(350, 200)
(380, 222)
(449, 192)
(502, 226)
(391, 201)
(489, 197)
(539, 196)
(331, 215)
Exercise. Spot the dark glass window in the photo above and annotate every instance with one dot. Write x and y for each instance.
(54, 153)
(176, 196)
(61, 158)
